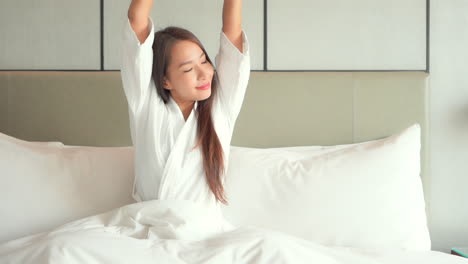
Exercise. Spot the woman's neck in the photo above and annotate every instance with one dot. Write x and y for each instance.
(186, 108)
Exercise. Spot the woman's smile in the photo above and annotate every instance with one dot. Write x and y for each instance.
(205, 86)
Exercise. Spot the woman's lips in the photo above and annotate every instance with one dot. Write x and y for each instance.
(204, 87)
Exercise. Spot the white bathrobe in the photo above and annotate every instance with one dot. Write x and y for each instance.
(165, 166)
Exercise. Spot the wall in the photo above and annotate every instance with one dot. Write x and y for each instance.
(448, 106)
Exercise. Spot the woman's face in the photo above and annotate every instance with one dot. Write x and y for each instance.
(187, 72)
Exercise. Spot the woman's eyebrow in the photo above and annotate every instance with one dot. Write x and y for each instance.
(187, 62)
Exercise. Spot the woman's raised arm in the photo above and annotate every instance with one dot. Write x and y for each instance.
(138, 13)
(232, 22)
(232, 62)
(137, 54)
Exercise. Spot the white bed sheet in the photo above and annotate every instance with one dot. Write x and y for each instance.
(176, 231)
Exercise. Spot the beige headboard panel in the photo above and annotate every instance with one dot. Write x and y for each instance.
(280, 108)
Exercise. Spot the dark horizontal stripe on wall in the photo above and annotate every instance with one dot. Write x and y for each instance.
(250, 70)
(265, 48)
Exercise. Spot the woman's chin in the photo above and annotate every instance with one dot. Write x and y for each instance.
(204, 96)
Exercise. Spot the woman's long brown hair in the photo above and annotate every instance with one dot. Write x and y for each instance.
(212, 151)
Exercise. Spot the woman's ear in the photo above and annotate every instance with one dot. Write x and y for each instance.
(166, 84)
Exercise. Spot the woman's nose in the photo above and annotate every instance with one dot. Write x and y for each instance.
(204, 74)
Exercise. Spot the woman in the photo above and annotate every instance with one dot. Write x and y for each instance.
(182, 109)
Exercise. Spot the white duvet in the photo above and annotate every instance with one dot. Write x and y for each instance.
(177, 231)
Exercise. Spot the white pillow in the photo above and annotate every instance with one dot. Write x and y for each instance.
(46, 184)
(365, 195)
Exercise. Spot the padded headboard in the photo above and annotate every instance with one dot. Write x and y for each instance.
(280, 108)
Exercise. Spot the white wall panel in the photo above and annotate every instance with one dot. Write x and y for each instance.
(203, 18)
(49, 34)
(346, 35)
(449, 124)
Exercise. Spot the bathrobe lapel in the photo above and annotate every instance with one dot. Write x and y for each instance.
(183, 143)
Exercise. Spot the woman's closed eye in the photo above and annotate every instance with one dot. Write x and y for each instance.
(192, 68)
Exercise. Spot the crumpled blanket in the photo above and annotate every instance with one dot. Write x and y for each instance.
(168, 231)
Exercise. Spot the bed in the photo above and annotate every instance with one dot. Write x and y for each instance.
(335, 162)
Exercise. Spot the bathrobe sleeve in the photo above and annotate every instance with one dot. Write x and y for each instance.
(136, 66)
(233, 69)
